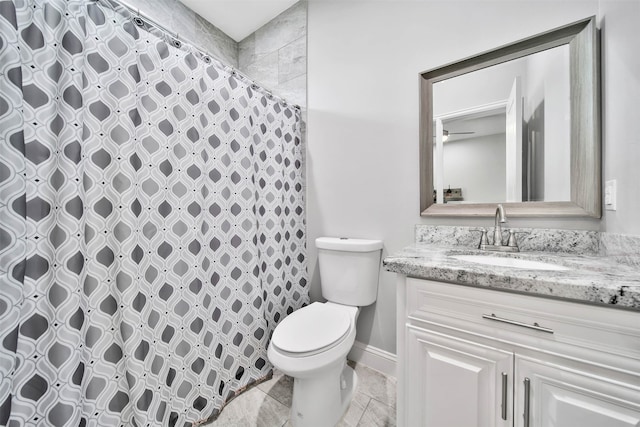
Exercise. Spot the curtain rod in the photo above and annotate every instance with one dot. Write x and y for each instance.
(181, 39)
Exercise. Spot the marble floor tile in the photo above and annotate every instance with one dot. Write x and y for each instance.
(356, 409)
(266, 385)
(376, 385)
(280, 387)
(252, 408)
(269, 403)
(377, 414)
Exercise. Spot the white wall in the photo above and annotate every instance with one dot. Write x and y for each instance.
(548, 82)
(362, 157)
(471, 90)
(620, 27)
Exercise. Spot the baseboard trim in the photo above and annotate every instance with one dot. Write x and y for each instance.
(374, 358)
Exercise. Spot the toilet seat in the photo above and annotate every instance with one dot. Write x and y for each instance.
(313, 329)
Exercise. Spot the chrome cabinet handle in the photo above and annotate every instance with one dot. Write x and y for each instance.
(504, 396)
(527, 396)
(515, 322)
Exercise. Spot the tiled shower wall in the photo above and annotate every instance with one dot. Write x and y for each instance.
(276, 55)
(189, 25)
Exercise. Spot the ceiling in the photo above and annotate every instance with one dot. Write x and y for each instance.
(238, 18)
(486, 123)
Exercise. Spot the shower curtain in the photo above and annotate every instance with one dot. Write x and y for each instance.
(151, 221)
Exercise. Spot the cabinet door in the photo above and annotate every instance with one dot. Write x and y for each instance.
(560, 396)
(452, 382)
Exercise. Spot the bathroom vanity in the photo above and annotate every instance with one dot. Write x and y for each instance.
(545, 337)
(494, 345)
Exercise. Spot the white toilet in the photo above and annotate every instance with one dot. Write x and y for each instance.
(311, 344)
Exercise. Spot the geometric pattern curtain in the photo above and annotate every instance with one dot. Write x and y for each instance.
(151, 221)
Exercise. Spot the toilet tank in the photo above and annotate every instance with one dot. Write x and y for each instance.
(349, 269)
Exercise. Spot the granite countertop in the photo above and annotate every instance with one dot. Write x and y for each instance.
(589, 278)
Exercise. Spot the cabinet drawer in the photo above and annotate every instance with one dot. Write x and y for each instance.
(536, 322)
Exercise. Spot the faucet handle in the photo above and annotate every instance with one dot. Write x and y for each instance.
(512, 236)
(484, 240)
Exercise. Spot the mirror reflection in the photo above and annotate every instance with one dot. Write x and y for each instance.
(502, 133)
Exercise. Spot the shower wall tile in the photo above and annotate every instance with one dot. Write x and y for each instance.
(283, 29)
(292, 60)
(183, 21)
(247, 51)
(217, 42)
(294, 90)
(265, 71)
(285, 37)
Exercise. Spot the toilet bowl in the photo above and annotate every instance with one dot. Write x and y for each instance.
(323, 382)
(311, 344)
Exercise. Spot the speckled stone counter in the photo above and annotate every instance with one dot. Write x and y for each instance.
(595, 274)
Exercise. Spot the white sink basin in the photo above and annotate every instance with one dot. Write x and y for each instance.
(510, 262)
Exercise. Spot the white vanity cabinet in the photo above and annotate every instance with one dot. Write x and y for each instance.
(562, 396)
(469, 356)
(453, 382)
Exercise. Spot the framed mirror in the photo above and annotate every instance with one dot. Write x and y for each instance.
(518, 125)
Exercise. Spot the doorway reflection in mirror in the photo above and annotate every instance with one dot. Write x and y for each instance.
(505, 131)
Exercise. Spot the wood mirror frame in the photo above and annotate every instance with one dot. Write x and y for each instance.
(584, 59)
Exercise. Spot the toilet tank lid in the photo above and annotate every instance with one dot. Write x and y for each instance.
(347, 244)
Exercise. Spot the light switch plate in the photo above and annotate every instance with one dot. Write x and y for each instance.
(610, 196)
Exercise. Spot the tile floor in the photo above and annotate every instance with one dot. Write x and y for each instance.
(268, 404)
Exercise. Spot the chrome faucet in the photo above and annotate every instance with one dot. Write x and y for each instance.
(497, 231)
(498, 245)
